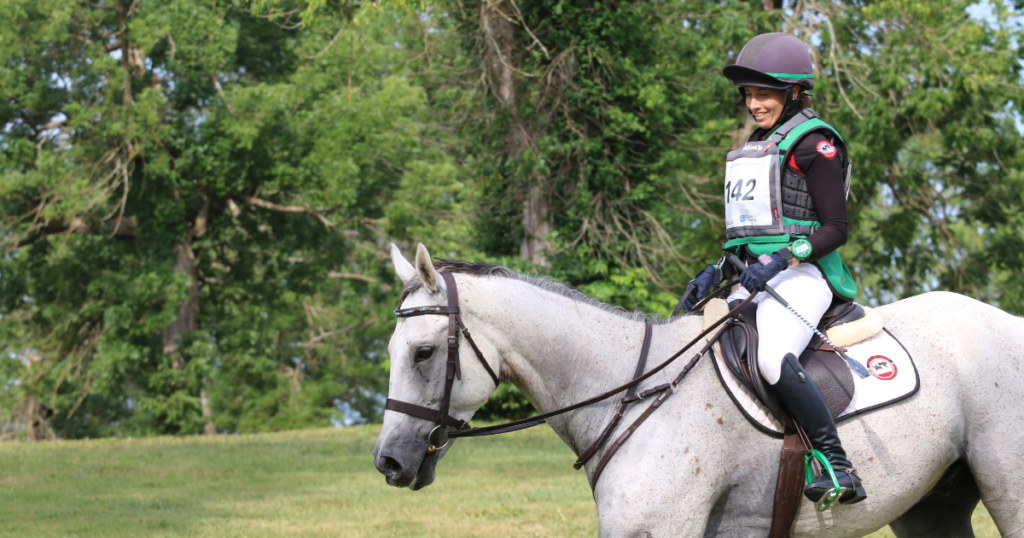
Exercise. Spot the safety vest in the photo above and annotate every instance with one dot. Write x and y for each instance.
(767, 204)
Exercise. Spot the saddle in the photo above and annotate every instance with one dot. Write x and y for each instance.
(845, 323)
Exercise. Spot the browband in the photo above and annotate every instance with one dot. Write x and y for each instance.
(426, 310)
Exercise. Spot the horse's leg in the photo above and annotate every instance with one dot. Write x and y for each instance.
(946, 511)
(992, 382)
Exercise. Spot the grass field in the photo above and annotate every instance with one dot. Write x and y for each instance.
(304, 483)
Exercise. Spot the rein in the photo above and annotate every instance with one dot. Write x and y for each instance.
(449, 428)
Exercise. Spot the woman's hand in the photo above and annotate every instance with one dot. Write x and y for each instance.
(704, 280)
(757, 275)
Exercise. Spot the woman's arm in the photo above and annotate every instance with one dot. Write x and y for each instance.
(822, 162)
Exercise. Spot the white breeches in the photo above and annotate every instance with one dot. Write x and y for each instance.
(779, 331)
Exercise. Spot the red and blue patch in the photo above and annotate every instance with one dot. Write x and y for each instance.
(765, 259)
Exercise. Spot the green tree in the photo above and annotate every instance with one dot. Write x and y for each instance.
(927, 96)
(194, 202)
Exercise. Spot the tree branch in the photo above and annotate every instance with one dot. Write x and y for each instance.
(258, 202)
(77, 225)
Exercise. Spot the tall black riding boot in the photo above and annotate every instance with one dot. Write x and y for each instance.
(804, 402)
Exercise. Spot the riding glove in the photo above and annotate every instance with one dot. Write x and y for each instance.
(703, 281)
(757, 275)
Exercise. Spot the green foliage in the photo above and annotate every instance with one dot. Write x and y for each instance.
(223, 160)
(505, 403)
(196, 197)
(928, 101)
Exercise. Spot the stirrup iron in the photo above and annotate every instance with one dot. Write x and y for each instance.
(829, 498)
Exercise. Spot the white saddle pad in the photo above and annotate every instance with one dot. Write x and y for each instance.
(893, 378)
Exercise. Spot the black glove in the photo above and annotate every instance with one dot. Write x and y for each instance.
(757, 275)
(704, 280)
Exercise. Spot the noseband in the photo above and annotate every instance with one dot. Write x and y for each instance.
(438, 437)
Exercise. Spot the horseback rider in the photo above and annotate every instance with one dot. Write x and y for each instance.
(786, 216)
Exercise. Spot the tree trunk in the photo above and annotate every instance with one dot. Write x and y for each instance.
(501, 60)
(536, 224)
(32, 418)
(34, 428)
(188, 314)
(747, 126)
(211, 427)
(185, 262)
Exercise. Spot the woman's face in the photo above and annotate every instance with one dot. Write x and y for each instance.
(766, 104)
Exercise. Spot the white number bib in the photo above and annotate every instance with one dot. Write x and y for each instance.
(752, 191)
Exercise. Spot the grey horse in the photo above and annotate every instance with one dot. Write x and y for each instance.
(697, 467)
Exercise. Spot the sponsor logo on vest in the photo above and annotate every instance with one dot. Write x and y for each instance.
(750, 147)
(882, 367)
(827, 150)
(775, 214)
(743, 218)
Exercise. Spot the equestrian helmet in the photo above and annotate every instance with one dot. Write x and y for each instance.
(775, 60)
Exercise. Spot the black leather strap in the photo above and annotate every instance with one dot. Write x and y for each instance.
(666, 393)
(479, 354)
(630, 396)
(425, 413)
(453, 368)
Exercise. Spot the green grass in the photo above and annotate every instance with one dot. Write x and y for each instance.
(304, 483)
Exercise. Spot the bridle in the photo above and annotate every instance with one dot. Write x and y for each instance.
(449, 428)
(439, 436)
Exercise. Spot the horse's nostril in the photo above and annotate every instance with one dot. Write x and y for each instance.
(391, 466)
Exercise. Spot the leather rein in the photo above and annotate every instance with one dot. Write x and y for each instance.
(449, 427)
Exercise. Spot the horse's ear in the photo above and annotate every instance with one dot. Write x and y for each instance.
(404, 269)
(425, 268)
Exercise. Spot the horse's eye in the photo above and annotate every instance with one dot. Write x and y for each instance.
(423, 353)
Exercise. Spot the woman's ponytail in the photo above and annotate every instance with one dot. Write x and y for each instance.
(804, 101)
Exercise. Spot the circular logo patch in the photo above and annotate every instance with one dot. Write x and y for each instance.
(882, 368)
(827, 150)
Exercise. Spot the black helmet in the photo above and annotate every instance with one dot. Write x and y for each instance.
(775, 61)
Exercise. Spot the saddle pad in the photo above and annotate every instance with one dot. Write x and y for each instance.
(893, 378)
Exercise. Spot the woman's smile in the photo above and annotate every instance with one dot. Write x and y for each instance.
(766, 104)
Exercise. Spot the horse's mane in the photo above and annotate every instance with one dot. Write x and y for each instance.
(544, 283)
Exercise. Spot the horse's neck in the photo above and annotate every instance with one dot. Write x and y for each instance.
(558, 351)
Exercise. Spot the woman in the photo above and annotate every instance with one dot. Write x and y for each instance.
(785, 194)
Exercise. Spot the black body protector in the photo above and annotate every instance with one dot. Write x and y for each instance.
(763, 196)
(768, 205)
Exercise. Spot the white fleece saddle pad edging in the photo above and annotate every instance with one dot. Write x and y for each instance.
(893, 378)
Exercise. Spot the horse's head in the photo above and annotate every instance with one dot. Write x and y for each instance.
(419, 352)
